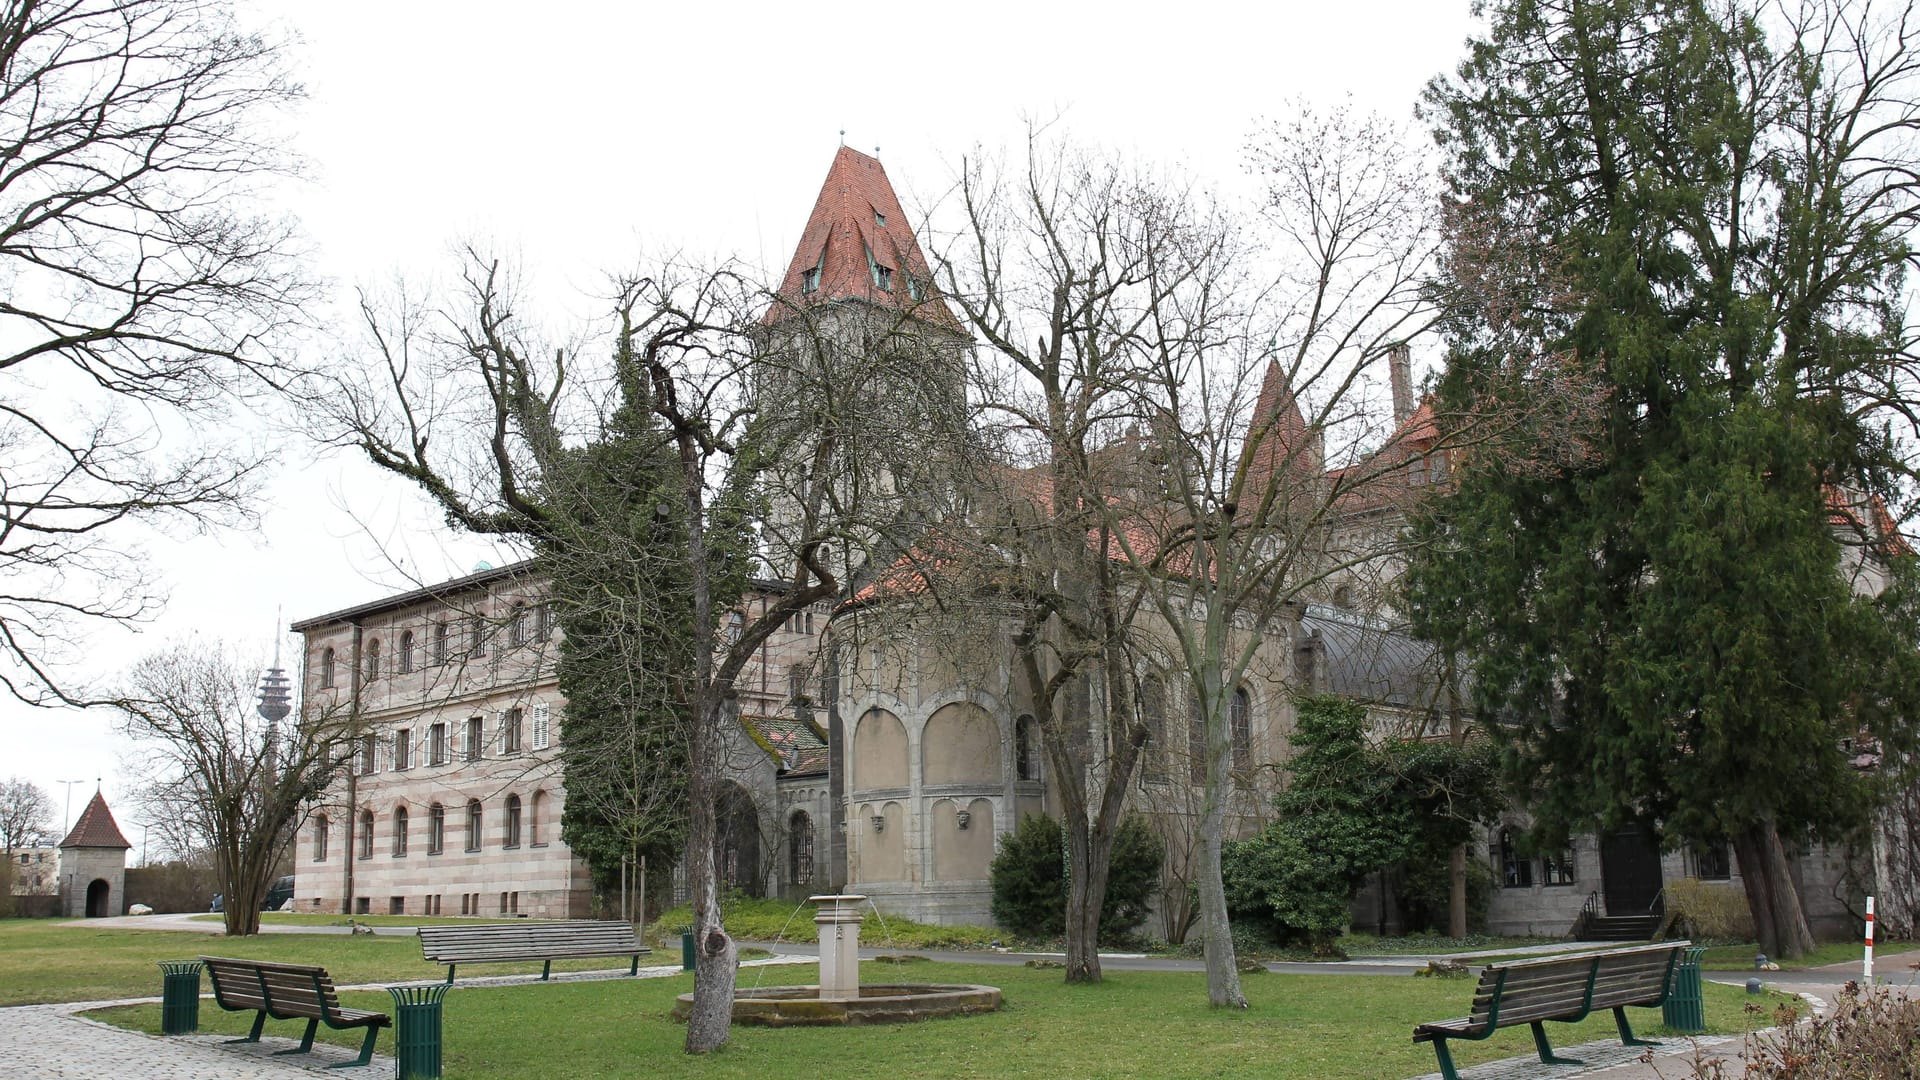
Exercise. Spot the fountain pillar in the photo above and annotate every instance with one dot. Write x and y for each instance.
(838, 921)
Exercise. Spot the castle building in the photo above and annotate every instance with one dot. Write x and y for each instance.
(871, 755)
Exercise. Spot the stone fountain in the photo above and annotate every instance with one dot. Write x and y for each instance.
(840, 998)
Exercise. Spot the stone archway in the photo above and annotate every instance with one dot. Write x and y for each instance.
(98, 894)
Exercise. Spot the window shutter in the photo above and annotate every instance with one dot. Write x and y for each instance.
(541, 721)
(500, 731)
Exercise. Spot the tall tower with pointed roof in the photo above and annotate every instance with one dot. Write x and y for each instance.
(93, 864)
(859, 336)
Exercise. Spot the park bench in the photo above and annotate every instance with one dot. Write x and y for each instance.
(1564, 989)
(543, 941)
(289, 992)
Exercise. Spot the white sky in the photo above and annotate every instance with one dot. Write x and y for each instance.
(580, 136)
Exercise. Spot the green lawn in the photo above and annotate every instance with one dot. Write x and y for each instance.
(42, 960)
(1740, 957)
(1136, 1023)
(1299, 1027)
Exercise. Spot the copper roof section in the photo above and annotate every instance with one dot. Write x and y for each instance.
(96, 828)
(857, 246)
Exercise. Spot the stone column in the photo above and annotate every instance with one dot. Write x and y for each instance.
(838, 921)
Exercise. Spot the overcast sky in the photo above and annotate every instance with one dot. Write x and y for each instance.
(578, 137)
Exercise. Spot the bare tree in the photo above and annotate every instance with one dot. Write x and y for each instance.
(26, 814)
(226, 780)
(751, 424)
(146, 283)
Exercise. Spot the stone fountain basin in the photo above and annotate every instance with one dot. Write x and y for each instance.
(878, 1003)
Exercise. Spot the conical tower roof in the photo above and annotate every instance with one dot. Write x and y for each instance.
(96, 827)
(1285, 443)
(857, 246)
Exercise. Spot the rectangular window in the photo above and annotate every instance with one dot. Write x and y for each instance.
(363, 905)
(396, 905)
(403, 749)
(510, 723)
(543, 621)
(1557, 867)
(542, 726)
(436, 829)
(477, 636)
(440, 642)
(437, 745)
(369, 750)
(809, 280)
(1712, 863)
(476, 741)
(1516, 870)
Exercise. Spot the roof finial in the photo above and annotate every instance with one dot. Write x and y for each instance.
(876, 151)
(843, 136)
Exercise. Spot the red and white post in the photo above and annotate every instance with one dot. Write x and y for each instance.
(1866, 974)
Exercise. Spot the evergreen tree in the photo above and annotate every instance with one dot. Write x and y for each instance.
(620, 590)
(1676, 612)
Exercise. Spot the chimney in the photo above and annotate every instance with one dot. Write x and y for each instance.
(1400, 374)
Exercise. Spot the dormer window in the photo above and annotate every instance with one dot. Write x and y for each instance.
(882, 275)
(809, 280)
(913, 289)
(880, 219)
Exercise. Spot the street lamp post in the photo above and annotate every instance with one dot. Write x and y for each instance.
(66, 821)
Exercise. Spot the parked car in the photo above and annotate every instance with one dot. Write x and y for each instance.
(278, 894)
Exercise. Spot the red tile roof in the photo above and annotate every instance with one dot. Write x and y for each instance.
(856, 225)
(798, 747)
(96, 827)
(1284, 442)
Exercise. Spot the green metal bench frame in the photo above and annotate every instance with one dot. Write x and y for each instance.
(322, 1007)
(1599, 963)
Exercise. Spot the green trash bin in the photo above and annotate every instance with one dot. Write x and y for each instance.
(179, 997)
(1684, 1010)
(416, 1030)
(686, 950)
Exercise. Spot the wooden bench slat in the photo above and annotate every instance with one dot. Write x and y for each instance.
(510, 942)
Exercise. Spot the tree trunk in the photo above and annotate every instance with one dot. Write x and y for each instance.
(715, 957)
(1223, 971)
(1457, 892)
(1090, 857)
(1779, 921)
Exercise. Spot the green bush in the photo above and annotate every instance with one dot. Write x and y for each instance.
(1424, 891)
(1030, 879)
(1709, 911)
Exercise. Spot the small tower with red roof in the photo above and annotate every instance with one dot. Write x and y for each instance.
(93, 864)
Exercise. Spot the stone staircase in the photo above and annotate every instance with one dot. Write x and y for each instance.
(1621, 928)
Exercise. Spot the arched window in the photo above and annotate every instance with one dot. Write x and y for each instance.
(1026, 749)
(473, 825)
(321, 827)
(440, 642)
(399, 832)
(1516, 870)
(800, 849)
(513, 821)
(436, 829)
(366, 834)
(536, 813)
(326, 667)
(1240, 717)
(373, 659)
(1153, 713)
(517, 633)
(404, 662)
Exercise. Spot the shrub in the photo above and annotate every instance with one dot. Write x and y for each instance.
(1424, 891)
(1871, 1035)
(1030, 879)
(1709, 911)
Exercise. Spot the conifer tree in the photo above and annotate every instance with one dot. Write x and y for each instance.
(1679, 614)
